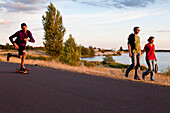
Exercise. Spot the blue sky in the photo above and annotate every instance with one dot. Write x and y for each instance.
(100, 23)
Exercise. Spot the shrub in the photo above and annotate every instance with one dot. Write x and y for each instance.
(167, 72)
(142, 67)
(89, 64)
(71, 53)
(118, 65)
(108, 59)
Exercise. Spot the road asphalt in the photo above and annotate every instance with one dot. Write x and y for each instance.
(46, 90)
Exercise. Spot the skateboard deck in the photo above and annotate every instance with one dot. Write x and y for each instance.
(23, 71)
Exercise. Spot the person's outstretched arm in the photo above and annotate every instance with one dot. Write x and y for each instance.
(143, 50)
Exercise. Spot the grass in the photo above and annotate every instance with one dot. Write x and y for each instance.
(167, 72)
(39, 58)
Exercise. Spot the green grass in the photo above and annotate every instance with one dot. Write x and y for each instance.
(119, 65)
(39, 58)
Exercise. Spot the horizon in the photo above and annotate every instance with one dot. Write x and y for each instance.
(124, 49)
(101, 24)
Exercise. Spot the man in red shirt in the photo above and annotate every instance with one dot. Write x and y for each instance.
(150, 58)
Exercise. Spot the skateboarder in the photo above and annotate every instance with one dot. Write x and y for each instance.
(134, 52)
(20, 44)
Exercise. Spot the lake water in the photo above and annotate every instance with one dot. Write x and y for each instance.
(162, 57)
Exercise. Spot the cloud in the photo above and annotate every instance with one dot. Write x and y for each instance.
(164, 31)
(109, 17)
(117, 3)
(28, 6)
(37, 29)
(17, 7)
(30, 1)
(4, 22)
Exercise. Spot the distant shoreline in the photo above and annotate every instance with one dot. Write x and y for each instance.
(155, 51)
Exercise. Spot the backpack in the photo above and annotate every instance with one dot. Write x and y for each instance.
(131, 40)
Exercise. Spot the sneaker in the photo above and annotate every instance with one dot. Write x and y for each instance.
(152, 80)
(8, 56)
(143, 76)
(22, 68)
(126, 74)
(136, 78)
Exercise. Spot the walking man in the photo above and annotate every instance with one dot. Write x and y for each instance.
(134, 52)
(20, 44)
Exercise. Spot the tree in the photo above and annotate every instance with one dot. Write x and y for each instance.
(72, 53)
(54, 32)
(84, 51)
(121, 48)
(7, 46)
(91, 49)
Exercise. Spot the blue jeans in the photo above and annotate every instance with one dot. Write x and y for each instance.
(136, 59)
(151, 67)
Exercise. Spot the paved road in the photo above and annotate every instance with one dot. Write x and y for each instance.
(47, 90)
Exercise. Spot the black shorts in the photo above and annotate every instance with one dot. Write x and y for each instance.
(20, 50)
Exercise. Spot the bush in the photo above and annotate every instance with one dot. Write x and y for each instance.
(71, 53)
(142, 67)
(118, 65)
(108, 59)
(89, 64)
(167, 72)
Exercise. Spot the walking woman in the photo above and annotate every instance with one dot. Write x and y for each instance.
(150, 58)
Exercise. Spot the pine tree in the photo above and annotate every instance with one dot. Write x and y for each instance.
(72, 53)
(54, 32)
(91, 49)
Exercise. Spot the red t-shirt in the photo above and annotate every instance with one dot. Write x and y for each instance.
(150, 52)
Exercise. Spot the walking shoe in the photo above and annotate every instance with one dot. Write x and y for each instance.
(143, 76)
(126, 75)
(152, 80)
(136, 78)
(8, 56)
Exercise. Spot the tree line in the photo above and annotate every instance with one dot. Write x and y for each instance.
(11, 47)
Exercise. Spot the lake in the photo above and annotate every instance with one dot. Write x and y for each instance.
(162, 57)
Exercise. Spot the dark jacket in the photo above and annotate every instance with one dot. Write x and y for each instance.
(20, 38)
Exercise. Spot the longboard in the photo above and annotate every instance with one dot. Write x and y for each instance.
(23, 71)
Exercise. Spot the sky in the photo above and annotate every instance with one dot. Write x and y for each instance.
(98, 23)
